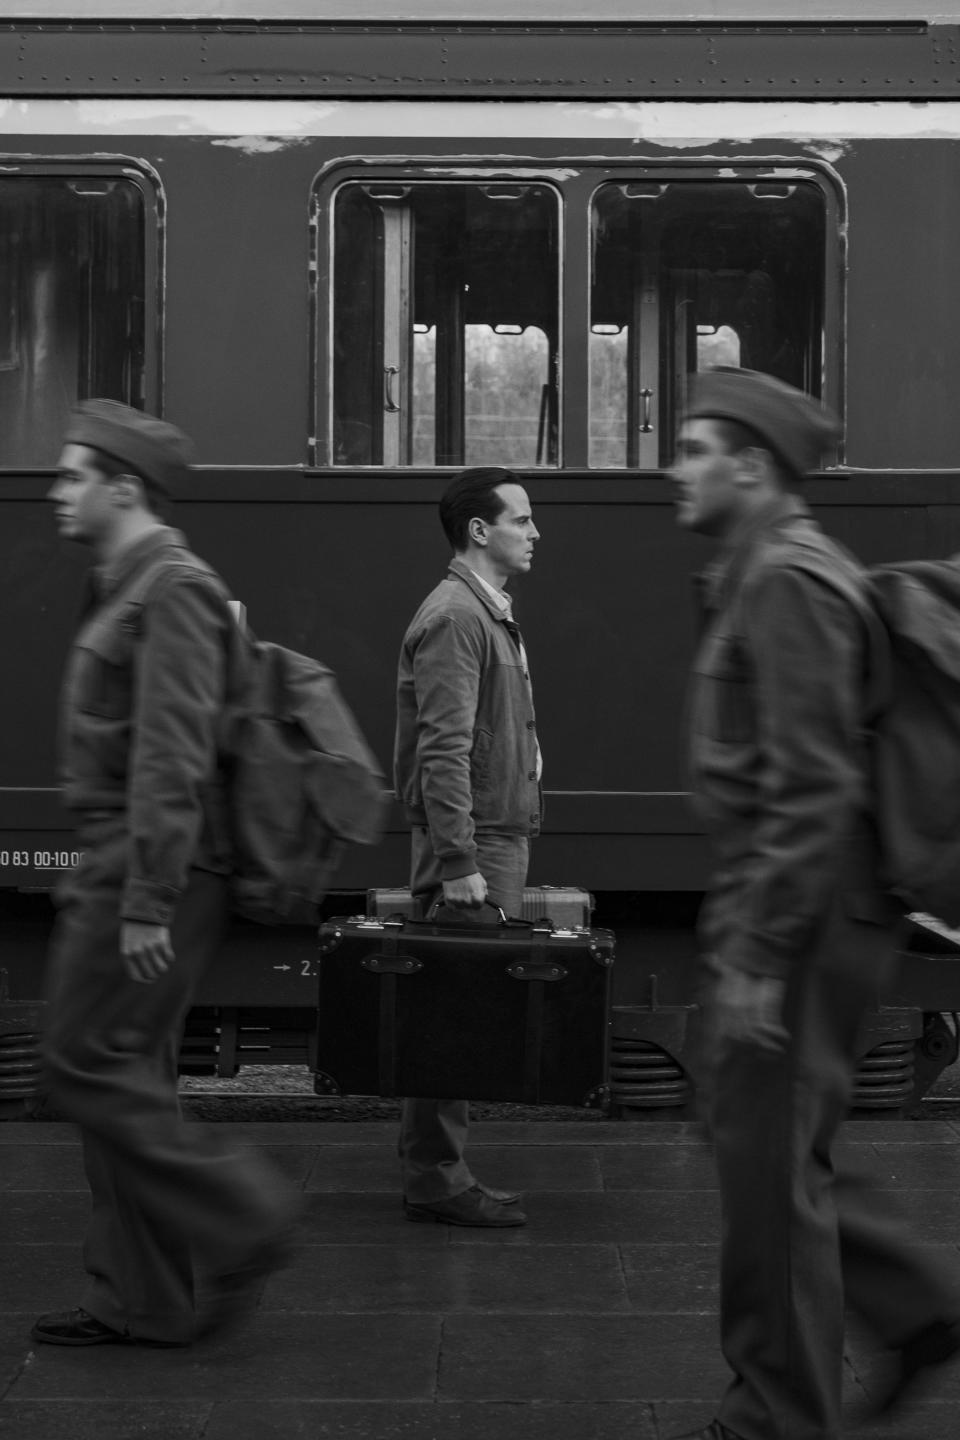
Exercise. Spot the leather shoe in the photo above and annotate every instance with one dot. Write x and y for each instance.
(79, 1327)
(502, 1197)
(713, 1431)
(473, 1207)
(234, 1294)
(913, 1366)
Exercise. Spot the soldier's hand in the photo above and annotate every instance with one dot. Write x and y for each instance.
(748, 1010)
(146, 950)
(467, 892)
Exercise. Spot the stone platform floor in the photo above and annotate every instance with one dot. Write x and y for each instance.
(595, 1322)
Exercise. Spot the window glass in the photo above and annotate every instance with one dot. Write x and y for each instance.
(445, 324)
(688, 275)
(72, 301)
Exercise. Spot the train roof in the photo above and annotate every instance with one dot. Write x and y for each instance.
(451, 12)
(500, 49)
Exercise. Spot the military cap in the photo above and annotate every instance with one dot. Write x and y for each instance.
(795, 426)
(157, 451)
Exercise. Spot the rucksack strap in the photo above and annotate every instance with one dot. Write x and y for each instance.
(144, 583)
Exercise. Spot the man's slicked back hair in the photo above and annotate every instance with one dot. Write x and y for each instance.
(472, 495)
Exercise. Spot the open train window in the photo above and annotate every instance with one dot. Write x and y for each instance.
(688, 274)
(445, 324)
(72, 304)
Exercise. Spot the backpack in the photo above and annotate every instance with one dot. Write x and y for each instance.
(302, 783)
(911, 614)
(916, 734)
(301, 780)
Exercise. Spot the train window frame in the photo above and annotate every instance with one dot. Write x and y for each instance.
(578, 180)
(422, 174)
(775, 172)
(101, 168)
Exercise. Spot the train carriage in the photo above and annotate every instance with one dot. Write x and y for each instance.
(350, 250)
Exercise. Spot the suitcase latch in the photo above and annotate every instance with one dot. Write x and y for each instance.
(536, 970)
(391, 964)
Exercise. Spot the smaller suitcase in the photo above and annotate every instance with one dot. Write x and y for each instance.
(512, 1011)
(563, 904)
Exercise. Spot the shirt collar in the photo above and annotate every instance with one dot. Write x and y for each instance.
(502, 601)
(499, 604)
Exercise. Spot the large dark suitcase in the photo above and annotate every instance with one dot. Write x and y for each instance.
(513, 1011)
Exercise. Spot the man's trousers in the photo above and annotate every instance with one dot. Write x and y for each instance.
(433, 1133)
(803, 1235)
(166, 1197)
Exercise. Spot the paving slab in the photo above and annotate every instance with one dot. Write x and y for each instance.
(358, 1217)
(14, 1133)
(414, 1421)
(918, 1167)
(597, 1321)
(657, 1167)
(671, 1279)
(936, 1420)
(900, 1132)
(622, 1357)
(586, 1132)
(513, 1167)
(40, 1277)
(275, 1356)
(927, 1421)
(106, 1420)
(580, 1279)
(43, 1217)
(655, 1217)
(42, 1167)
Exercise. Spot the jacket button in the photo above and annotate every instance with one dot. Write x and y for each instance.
(530, 724)
(534, 819)
(531, 774)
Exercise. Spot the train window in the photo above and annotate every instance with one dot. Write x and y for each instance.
(445, 324)
(72, 292)
(691, 274)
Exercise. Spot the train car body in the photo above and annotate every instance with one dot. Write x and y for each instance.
(350, 254)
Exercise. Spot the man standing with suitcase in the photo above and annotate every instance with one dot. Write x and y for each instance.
(140, 917)
(467, 769)
(798, 936)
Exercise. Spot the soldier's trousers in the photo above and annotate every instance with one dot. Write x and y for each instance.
(803, 1234)
(167, 1199)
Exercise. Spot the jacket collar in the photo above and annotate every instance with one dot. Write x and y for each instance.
(110, 578)
(461, 570)
(721, 574)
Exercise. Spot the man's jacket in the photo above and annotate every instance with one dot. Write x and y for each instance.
(141, 715)
(465, 759)
(779, 753)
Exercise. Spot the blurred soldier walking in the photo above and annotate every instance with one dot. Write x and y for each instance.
(467, 768)
(798, 936)
(139, 919)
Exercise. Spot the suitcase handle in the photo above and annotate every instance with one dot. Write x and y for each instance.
(439, 905)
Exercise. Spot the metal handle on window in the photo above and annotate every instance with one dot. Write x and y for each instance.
(646, 398)
(389, 404)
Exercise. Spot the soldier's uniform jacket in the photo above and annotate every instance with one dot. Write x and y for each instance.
(778, 758)
(140, 720)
